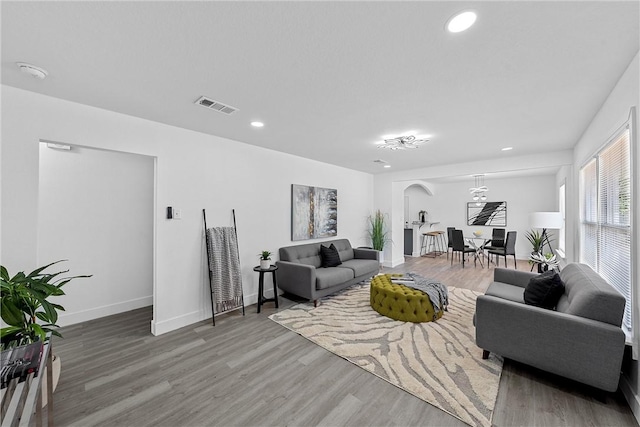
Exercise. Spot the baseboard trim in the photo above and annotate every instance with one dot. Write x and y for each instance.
(632, 399)
(164, 326)
(67, 319)
(395, 262)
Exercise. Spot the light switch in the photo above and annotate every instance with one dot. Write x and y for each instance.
(177, 213)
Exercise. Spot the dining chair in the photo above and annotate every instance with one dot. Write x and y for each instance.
(508, 249)
(497, 239)
(449, 241)
(460, 247)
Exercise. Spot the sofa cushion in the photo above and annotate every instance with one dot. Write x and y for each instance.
(308, 254)
(344, 248)
(506, 291)
(362, 266)
(544, 290)
(589, 295)
(330, 256)
(328, 277)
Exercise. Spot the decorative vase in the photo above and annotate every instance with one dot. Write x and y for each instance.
(265, 264)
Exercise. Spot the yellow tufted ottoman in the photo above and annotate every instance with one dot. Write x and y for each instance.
(400, 302)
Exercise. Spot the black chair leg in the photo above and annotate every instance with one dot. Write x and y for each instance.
(515, 263)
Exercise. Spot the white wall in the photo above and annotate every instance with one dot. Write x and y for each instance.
(193, 171)
(613, 113)
(523, 196)
(390, 188)
(95, 209)
(416, 200)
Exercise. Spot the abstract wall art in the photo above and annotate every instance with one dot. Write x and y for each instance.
(487, 213)
(314, 212)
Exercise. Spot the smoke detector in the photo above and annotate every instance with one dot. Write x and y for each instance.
(32, 70)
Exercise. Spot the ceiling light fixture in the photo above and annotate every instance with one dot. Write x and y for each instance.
(257, 124)
(402, 142)
(386, 166)
(507, 148)
(461, 21)
(32, 70)
(479, 190)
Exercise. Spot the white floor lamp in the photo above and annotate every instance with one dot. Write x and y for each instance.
(546, 220)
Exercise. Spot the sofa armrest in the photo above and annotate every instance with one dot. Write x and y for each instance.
(582, 349)
(298, 279)
(513, 277)
(363, 253)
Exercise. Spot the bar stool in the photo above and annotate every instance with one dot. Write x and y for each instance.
(435, 240)
(441, 242)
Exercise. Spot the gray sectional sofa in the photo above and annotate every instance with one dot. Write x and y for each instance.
(300, 270)
(581, 339)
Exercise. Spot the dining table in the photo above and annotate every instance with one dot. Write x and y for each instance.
(474, 242)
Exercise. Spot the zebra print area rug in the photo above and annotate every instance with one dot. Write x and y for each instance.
(437, 362)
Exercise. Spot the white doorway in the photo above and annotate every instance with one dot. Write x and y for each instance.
(96, 210)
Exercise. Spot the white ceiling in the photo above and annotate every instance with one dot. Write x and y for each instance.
(330, 78)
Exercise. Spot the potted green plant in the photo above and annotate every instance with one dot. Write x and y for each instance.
(26, 309)
(544, 261)
(265, 260)
(378, 233)
(537, 240)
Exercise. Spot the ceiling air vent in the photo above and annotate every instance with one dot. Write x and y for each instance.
(215, 105)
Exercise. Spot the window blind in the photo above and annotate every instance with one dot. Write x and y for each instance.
(606, 216)
(589, 215)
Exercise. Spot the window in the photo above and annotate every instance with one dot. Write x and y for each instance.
(605, 215)
(561, 208)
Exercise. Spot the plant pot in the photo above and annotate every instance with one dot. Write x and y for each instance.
(56, 364)
(381, 257)
(265, 264)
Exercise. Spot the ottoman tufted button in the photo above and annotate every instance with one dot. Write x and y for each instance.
(400, 302)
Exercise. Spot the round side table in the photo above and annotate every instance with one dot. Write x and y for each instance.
(261, 299)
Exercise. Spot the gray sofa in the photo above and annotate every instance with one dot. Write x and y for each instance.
(581, 339)
(300, 272)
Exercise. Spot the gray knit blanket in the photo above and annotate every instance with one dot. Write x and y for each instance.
(224, 264)
(437, 292)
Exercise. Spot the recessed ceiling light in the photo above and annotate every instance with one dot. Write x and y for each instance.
(32, 70)
(507, 148)
(461, 21)
(386, 166)
(257, 124)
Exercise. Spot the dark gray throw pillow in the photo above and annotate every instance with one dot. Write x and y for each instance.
(544, 290)
(330, 256)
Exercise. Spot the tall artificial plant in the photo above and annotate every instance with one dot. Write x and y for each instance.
(25, 300)
(378, 233)
(538, 240)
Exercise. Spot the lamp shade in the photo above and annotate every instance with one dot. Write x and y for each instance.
(545, 220)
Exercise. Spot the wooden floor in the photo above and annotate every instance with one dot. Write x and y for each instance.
(250, 371)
